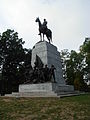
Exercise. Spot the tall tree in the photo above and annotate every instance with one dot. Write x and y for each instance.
(11, 58)
(74, 65)
(85, 50)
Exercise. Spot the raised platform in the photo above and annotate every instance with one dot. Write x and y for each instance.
(44, 90)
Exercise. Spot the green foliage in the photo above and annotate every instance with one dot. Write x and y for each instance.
(74, 68)
(85, 50)
(26, 67)
(12, 56)
(79, 83)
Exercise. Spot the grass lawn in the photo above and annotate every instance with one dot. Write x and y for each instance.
(68, 108)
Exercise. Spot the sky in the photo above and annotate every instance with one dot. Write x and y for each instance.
(69, 20)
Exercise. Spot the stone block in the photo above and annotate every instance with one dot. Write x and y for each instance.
(45, 87)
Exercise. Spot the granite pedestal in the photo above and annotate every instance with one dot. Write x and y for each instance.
(49, 55)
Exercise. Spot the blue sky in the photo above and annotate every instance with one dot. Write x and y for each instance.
(69, 20)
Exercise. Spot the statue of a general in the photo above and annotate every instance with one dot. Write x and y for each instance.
(44, 30)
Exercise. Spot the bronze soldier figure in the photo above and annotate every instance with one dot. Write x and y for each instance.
(46, 73)
(52, 73)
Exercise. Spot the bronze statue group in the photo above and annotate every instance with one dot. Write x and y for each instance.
(40, 74)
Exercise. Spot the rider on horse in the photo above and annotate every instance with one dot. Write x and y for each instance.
(43, 30)
(44, 25)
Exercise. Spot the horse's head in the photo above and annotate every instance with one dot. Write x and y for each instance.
(37, 19)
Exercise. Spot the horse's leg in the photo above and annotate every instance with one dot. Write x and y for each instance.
(43, 36)
(40, 37)
(49, 39)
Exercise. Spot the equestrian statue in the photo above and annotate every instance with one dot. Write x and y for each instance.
(43, 30)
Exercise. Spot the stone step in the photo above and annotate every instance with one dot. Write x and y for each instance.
(34, 94)
(43, 94)
(67, 94)
(12, 95)
(38, 94)
(65, 88)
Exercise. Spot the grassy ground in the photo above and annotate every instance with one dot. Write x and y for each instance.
(69, 108)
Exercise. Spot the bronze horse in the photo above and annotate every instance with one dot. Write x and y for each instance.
(46, 32)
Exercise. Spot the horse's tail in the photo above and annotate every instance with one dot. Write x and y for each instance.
(51, 36)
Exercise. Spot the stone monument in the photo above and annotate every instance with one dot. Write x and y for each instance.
(49, 55)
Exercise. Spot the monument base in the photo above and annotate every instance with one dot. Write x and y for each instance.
(44, 90)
